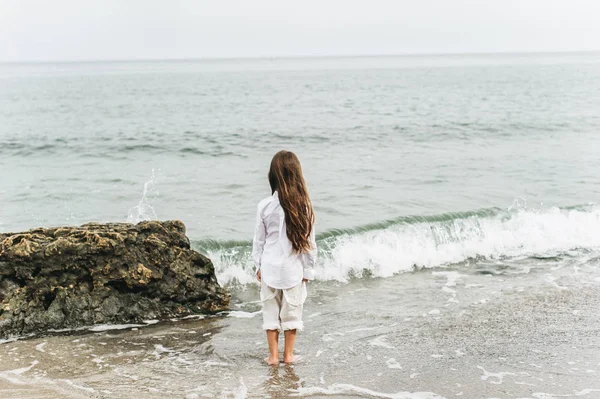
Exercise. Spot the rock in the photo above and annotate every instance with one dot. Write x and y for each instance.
(69, 277)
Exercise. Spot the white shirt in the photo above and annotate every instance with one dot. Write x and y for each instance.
(272, 251)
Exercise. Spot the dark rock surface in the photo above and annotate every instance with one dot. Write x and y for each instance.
(69, 277)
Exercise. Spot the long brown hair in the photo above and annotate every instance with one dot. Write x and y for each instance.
(285, 177)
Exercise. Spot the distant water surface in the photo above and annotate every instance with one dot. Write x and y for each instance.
(457, 205)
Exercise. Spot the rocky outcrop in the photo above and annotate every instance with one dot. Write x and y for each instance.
(70, 277)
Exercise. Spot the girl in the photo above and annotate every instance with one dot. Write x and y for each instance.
(284, 251)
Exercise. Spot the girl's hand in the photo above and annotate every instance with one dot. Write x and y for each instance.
(258, 276)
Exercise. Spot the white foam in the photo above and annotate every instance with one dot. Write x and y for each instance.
(363, 329)
(586, 391)
(233, 264)
(61, 330)
(391, 363)
(399, 248)
(342, 389)
(40, 347)
(380, 341)
(243, 315)
(13, 339)
(24, 369)
(161, 349)
(7, 340)
(212, 363)
(329, 338)
(499, 377)
(13, 376)
(71, 383)
(544, 395)
(402, 247)
(108, 327)
(194, 316)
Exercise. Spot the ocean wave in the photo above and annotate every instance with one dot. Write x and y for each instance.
(405, 244)
(110, 148)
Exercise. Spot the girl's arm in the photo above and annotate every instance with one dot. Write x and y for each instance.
(258, 243)
(311, 258)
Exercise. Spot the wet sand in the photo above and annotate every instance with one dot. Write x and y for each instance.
(520, 330)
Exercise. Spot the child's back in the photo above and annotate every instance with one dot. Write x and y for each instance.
(280, 266)
(284, 251)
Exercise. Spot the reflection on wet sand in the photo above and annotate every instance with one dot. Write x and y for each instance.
(281, 381)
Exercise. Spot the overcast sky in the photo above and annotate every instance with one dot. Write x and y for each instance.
(36, 30)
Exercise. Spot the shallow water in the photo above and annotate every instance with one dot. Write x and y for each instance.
(507, 329)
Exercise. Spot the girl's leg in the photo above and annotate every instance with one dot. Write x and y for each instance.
(288, 349)
(271, 301)
(273, 340)
(291, 320)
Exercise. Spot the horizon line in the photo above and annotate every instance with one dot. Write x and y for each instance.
(292, 57)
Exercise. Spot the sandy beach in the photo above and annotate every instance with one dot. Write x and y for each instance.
(526, 330)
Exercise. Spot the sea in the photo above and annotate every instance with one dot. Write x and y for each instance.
(451, 192)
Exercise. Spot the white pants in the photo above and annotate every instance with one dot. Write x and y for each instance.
(282, 309)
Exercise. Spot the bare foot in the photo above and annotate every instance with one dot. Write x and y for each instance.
(272, 362)
(291, 359)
